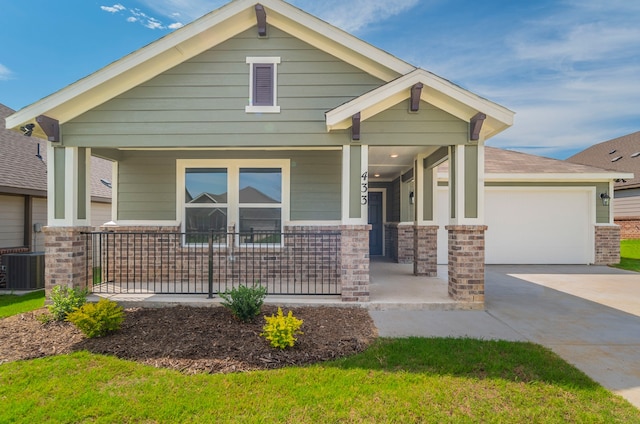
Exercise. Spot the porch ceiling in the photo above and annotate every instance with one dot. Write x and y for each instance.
(389, 168)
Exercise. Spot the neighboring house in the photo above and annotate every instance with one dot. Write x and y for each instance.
(316, 121)
(620, 154)
(23, 190)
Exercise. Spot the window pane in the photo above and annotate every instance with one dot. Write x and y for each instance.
(206, 185)
(260, 220)
(205, 219)
(260, 185)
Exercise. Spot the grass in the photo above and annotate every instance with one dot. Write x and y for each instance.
(396, 380)
(629, 255)
(11, 304)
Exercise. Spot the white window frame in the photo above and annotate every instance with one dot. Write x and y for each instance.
(251, 60)
(233, 204)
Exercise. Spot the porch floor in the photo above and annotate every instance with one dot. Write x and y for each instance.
(392, 286)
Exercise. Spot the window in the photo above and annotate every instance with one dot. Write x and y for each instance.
(263, 84)
(250, 194)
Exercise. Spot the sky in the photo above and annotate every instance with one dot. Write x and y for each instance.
(570, 69)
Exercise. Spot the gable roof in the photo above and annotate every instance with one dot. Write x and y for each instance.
(605, 154)
(22, 172)
(500, 164)
(232, 19)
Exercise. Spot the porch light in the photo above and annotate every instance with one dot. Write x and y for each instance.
(27, 130)
(605, 199)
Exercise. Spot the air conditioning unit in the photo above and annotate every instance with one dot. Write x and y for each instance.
(24, 271)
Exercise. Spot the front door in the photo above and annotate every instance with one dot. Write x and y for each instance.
(375, 219)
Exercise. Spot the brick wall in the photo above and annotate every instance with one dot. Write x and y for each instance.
(629, 226)
(607, 244)
(425, 245)
(399, 242)
(156, 259)
(65, 257)
(466, 262)
(354, 263)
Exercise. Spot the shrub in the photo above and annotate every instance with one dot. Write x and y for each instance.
(244, 302)
(281, 330)
(66, 300)
(97, 319)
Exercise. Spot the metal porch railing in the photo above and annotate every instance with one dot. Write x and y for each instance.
(289, 263)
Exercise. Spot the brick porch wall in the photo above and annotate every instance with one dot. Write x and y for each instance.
(607, 244)
(156, 260)
(466, 262)
(629, 226)
(65, 257)
(354, 263)
(399, 242)
(425, 242)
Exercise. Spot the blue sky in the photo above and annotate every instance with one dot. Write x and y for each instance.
(570, 69)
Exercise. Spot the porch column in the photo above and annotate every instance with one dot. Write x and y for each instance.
(425, 233)
(354, 240)
(466, 237)
(68, 213)
(66, 257)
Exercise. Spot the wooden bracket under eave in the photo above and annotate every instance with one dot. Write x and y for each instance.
(261, 16)
(416, 91)
(355, 127)
(50, 126)
(476, 125)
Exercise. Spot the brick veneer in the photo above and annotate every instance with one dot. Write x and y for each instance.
(354, 263)
(629, 226)
(607, 244)
(399, 242)
(466, 262)
(65, 257)
(425, 243)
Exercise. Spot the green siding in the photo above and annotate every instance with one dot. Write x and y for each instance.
(201, 101)
(453, 186)
(430, 126)
(147, 182)
(427, 195)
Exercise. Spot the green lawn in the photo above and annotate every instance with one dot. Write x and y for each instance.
(411, 380)
(630, 255)
(11, 304)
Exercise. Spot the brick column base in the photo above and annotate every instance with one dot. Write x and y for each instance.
(354, 263)
(607, 244)
(425, 250)
(65, 257)
(466, 262)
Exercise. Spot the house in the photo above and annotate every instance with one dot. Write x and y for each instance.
(620, 154)
(264, 95)
(23, 190)
(538, 211)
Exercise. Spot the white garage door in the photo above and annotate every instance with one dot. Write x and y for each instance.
(533, 226)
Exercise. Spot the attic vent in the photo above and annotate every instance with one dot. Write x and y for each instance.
(613, 151)
(635, 155)
(617, 158)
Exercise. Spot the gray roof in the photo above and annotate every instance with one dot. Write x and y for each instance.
(603, 155)
(22, 172)
(500, 161)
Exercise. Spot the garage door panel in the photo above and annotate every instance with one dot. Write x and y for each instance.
(533, 226)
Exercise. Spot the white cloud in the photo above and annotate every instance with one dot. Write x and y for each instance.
(176, 25)
(113, 9)
(132, 19)
(5, 73)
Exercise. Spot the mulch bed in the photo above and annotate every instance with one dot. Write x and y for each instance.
(195, 340)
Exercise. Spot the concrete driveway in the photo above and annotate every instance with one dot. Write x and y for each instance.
(589, 315)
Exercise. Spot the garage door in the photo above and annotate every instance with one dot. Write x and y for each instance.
(533, 226)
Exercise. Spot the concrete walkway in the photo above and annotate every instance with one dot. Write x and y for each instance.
(588, 315)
